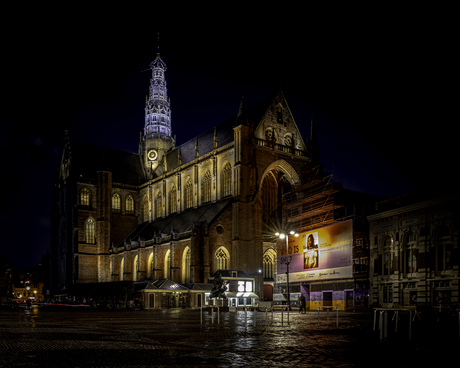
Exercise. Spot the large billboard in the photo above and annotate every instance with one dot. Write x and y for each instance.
(320, 254)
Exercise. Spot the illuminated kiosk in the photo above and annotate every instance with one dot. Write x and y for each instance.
(162, 294)
(240, 289)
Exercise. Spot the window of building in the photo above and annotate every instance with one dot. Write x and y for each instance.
(206, 191)
(188, 194)
(269, 194)
(409, 253)
(85, 197)
(135, 268)
(122, 269)
(387, 257)
(173, 200)
(150, 266)
(89, 234)
(167, 264)
(279, 114)
(186, 265)
(443, 249)
(227, 180)
(158, 205)
(116, 203)
(221, 259)
(129, 205)
(146, 208)
(269, 264)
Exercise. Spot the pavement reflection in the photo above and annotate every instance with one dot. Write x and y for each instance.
(79, 338)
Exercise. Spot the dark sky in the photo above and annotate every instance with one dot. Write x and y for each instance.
(375, 86)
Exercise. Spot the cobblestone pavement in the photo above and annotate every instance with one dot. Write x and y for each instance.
(164, 338)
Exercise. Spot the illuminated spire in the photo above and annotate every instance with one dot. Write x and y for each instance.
(157, 106)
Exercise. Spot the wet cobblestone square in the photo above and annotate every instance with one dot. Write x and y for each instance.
(165, 338)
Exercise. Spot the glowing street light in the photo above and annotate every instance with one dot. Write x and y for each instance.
(285, 235)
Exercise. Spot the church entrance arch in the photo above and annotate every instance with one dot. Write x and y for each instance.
(289, 172)
(278, 179)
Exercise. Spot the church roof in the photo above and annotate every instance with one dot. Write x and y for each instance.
(87, 159)
(179, 222)
(224, 131)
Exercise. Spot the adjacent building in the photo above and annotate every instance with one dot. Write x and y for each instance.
(415, 250)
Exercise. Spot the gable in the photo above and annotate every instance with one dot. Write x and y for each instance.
(277, 123)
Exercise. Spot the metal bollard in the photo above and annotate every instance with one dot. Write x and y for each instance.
(282, 315)
(201, 315)
(254, 313)
(212, 314)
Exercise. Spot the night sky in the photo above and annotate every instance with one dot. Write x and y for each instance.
(375, 87)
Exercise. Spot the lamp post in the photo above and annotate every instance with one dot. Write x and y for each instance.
(285, 235)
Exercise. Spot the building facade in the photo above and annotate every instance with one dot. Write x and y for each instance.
(176, 212)
(415, 251)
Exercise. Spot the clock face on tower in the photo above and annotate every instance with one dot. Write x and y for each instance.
(152, 155)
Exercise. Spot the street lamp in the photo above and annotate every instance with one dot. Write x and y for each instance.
(285, 235)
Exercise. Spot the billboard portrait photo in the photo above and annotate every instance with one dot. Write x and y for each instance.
(322, 253)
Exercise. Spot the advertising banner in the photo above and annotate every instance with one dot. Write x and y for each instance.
(319, 254)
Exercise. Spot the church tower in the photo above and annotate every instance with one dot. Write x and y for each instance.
(157, 138)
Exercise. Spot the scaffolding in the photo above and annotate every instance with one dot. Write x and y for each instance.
(313, 203)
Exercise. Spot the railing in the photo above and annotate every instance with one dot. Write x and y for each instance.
(280, 147)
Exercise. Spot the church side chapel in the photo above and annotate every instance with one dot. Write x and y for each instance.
(177, 212)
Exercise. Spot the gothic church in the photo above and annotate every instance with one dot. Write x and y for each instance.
(177, 212)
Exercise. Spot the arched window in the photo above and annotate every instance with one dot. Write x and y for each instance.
(150, 266)
(85, 197)
(269, 194)
(173, 200)
(122, 269)
(206, 191)
(409, 253)
(269, 264)
(167, 264)
(186, 265)
(146, 208)
(135, 268)
(129, 205)
(116, 203)
(443, 249)
(221, 259)
(279, 114)
(188, 194)
(227, 180)
(158, 205)
(89, 231)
